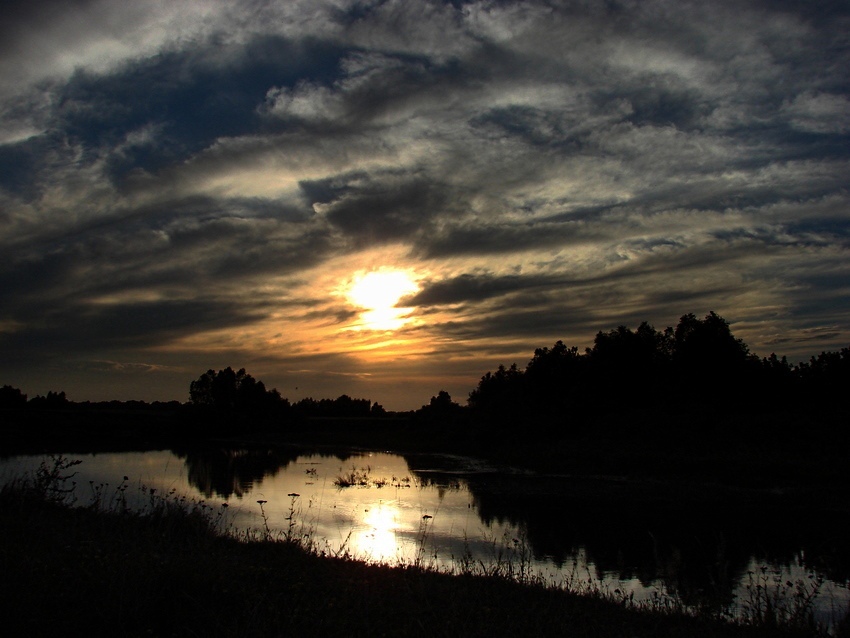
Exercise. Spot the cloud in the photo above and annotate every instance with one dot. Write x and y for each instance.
(202, 178)
(819, 113)
(470, 288)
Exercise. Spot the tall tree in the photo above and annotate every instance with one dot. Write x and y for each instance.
(231, 391)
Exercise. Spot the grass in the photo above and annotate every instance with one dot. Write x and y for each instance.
(175, 567)
(353, 477)
(362, 477)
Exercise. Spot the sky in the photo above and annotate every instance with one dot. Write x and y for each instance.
(188, 185)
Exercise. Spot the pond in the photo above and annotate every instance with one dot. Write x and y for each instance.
(695, 544)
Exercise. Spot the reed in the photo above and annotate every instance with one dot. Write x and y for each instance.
(177, 566)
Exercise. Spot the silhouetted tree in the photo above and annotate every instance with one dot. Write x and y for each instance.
(776, 368)
(698, 361)
(52, 400)
(557, 367)
(644, 351)
(444, 417)
(708, 343)
(500, 393)
(12, 397)
(827, 367)
(441, 405)
(628, 365)
(342, 406)
(711, 365)
(826, 377)
(553, 379)
(775, 381)
(229, 391)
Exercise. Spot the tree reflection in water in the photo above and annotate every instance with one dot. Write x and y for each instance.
(698, 543)
(228, 472)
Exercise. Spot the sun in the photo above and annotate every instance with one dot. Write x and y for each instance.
(381, 288)
(376, 294)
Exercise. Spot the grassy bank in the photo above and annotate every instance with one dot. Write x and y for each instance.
(174, 569)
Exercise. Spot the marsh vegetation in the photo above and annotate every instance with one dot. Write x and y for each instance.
(125, 559)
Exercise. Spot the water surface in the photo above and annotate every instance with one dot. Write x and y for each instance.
(636, 538)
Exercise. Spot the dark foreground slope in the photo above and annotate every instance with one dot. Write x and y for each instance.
(75, 571)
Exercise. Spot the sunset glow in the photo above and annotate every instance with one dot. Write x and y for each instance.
(376, 293)
(386, 199)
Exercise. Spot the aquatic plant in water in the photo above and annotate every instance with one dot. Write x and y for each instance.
(771, 601)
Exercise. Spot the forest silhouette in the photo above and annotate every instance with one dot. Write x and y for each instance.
(698, 365)
(637, 399)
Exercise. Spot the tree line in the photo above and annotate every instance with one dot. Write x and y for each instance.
(11, 397)
(228, 392)
(698, 364)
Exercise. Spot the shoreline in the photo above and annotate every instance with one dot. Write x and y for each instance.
(736, 450)
(171, 572)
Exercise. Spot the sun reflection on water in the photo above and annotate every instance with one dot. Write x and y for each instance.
(423, 518)
(377, 537)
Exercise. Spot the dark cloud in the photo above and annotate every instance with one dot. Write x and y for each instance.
(25, 165)
(76, 329)
(195, 243)
(388, 208)
(525, 322)
(483, 239)
(534, 126)
(192, 97)
(834, 231)
(330, 189)
(470, 288)
(548, 170)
